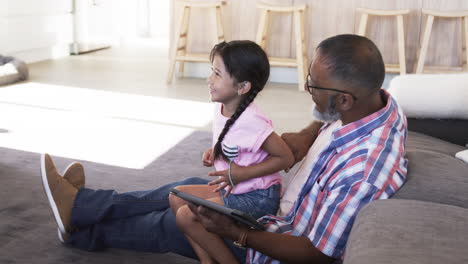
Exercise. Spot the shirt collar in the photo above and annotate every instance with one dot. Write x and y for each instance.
(345, 134)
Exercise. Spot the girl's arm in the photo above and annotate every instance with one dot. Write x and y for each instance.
(280, 157)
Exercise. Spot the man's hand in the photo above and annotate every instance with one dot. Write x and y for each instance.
(215, 222)
(299, 143)
(208, 158)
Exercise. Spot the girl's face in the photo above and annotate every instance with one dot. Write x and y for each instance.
(223, 88)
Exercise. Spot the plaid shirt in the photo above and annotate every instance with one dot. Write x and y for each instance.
(363, 162)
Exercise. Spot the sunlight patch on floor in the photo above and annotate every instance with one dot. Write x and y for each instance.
(105, 127)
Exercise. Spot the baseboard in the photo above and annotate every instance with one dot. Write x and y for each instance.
(40, 54)
(277, 74)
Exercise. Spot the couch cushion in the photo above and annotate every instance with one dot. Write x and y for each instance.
(435, 177)
(418, 141)
(405, 231)
(462, 155)
(432, 95)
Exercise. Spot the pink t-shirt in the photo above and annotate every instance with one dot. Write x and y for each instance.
(248, 133)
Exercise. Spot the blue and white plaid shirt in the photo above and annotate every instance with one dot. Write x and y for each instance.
(363, 162)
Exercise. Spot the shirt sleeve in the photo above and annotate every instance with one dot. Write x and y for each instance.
(252, 133)
(263, 134)
(335, 218)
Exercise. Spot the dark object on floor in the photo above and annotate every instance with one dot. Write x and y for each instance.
(12, 70)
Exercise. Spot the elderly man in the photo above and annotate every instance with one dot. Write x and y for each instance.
(355, 156)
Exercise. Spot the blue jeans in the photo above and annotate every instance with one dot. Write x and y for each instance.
(141, 221)
(256, 203)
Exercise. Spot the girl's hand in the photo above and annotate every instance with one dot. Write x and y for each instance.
(223, 180)
(208, 158)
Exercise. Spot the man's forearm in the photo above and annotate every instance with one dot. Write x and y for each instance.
(290, 249)
(313, 129)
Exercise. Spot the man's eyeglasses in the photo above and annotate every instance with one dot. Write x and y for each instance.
(311, 87)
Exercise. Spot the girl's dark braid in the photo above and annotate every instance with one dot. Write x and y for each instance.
(245, 102)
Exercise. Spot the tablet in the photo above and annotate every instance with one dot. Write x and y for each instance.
(237, 215)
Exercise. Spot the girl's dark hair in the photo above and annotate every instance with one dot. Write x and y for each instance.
(244, 60)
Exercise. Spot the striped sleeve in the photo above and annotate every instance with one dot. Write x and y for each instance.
(336, 216)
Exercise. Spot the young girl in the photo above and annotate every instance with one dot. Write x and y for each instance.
(247, 153)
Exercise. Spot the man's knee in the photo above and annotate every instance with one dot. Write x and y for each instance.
(194, 181)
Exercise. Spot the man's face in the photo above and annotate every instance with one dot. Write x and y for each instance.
(325, 101)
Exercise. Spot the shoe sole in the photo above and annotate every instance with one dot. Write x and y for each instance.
(60, 237)
(53, 205)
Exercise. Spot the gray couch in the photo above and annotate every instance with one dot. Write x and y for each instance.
(426, 221)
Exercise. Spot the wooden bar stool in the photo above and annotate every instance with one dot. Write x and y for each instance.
(179, 52)
(298, 21)
(431, 14)
(401, 66)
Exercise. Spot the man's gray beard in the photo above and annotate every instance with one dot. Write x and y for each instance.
(325, 117)
(330, 115)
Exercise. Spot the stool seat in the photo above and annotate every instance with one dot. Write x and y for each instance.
(398, 13)
(380, 12)
(298, 24)
(447, 14)
(279, 8)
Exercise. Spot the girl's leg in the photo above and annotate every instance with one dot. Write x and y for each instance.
(94, 206)
(202, 191)
(258, 203)
(210, 248)
(202, 255)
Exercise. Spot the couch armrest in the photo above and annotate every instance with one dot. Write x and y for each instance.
(407, 231)
(435, 177)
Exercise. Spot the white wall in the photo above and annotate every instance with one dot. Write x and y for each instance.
(142, 19)
(35, 30)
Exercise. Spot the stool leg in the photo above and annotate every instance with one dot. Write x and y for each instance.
(214, 22)
(184, 36)
(177, 44)
(262, 29)
(401, 45)
(425, 44)
(300, 48)
(363, 24)
(220, 27)
(465, 43)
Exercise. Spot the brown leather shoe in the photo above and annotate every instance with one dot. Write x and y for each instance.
(60, 193)
(74, 174)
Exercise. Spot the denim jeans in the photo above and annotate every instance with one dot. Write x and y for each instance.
(141, 221)
(256, 203)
